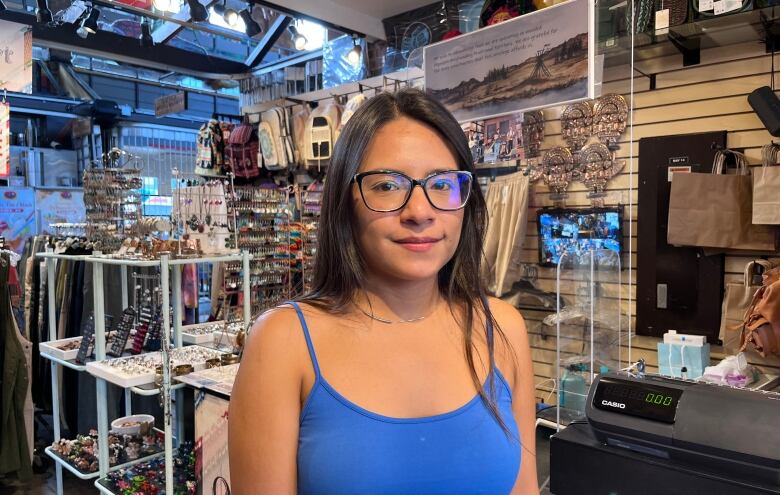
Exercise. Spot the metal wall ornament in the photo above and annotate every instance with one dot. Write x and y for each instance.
(576, 125)
(595, 169)
(558, 170)
(533, 133)
(610, 116)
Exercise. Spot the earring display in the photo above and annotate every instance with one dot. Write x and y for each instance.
(310, 216)
(202, 213)
(122, 331)
(558, 171)
(610, 116)
(112, 201)
(576, 126)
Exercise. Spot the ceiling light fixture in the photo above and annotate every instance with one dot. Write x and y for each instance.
(229, 15)
(162, 5)
(355, 55)
(252, 27)
(42, 12)
(147, 41)
(89, 23)
(299, 40)
(198, 11)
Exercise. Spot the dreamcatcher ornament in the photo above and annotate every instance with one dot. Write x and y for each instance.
(558, 170)
(596, 168)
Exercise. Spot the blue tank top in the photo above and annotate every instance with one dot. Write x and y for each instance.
(344, 449)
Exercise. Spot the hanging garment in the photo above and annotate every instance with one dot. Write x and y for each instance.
(507, 204)
(14, 450)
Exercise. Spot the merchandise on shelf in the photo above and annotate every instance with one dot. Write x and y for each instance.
(82, 452)
(148, 478)
(112, 200)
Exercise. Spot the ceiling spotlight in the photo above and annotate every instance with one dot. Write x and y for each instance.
(354, 55)
(252, 27)
(299, 40)
(162, 5)
(147, 41)
(229, 15)
(89, 24)
(198, 11)
(42, 12)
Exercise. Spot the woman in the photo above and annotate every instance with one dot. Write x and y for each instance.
(395, 374)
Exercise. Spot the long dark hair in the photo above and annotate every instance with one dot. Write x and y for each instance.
(339, 266)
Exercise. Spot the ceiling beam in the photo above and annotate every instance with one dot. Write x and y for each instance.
(299, 58)
(168, 30)
(114, 46)
(272, 34)
(330, 14)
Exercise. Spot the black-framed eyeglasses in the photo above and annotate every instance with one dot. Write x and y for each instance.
(386, 190)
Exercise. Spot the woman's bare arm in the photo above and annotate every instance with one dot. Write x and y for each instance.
(265, 407)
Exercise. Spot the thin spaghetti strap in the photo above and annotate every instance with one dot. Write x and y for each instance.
(306, 334)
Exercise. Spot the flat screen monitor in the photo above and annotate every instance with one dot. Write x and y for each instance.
(575, 231)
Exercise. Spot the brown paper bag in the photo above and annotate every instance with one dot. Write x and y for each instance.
(715, 210)
(766, 196)
(736, 301)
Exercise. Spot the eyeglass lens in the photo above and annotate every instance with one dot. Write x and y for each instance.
(387, 191)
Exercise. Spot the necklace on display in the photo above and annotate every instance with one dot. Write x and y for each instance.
(382, 320)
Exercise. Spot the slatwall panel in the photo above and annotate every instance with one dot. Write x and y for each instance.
(708, 97)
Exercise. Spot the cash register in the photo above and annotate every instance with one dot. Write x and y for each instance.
(647, 434)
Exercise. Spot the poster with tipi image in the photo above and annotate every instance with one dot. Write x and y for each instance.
(537, 60)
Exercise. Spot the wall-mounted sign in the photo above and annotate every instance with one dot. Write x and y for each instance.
(168, 104)
(17, 216)
(58, 207)
(5, 139)
(537, 60)
(15, 57)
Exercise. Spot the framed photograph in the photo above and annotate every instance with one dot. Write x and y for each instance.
(542, 59)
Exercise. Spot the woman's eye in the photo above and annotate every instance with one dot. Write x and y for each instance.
(386, 186)
(442, 185)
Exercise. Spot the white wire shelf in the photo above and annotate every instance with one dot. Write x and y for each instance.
(68, 364)
(89, 476)
(151, 390)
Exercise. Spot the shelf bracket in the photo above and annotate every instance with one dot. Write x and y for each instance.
(650, 77)
(771, 33)
(689, 47)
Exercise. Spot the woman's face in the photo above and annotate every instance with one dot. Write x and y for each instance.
(415, 242)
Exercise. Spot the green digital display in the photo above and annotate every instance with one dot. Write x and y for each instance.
(659, 399)
(636, 397)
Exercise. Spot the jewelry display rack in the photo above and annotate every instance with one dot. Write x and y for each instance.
(310, 218)
(264, 229)
(201, 209)
(112, 195)
(170, 277)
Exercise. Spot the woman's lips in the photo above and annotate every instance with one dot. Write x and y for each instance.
(418, 244)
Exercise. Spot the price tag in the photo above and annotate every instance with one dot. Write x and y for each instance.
(662, 19)
(706, 5)
(732, 5)
(719, 7)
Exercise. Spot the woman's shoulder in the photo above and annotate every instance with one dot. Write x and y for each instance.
(507, 316)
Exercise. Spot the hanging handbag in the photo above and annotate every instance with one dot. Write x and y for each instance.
(267, 142)
(736, 301)
(761, 330)
(766, 188)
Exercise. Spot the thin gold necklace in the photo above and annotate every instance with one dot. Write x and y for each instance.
(382, 320)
